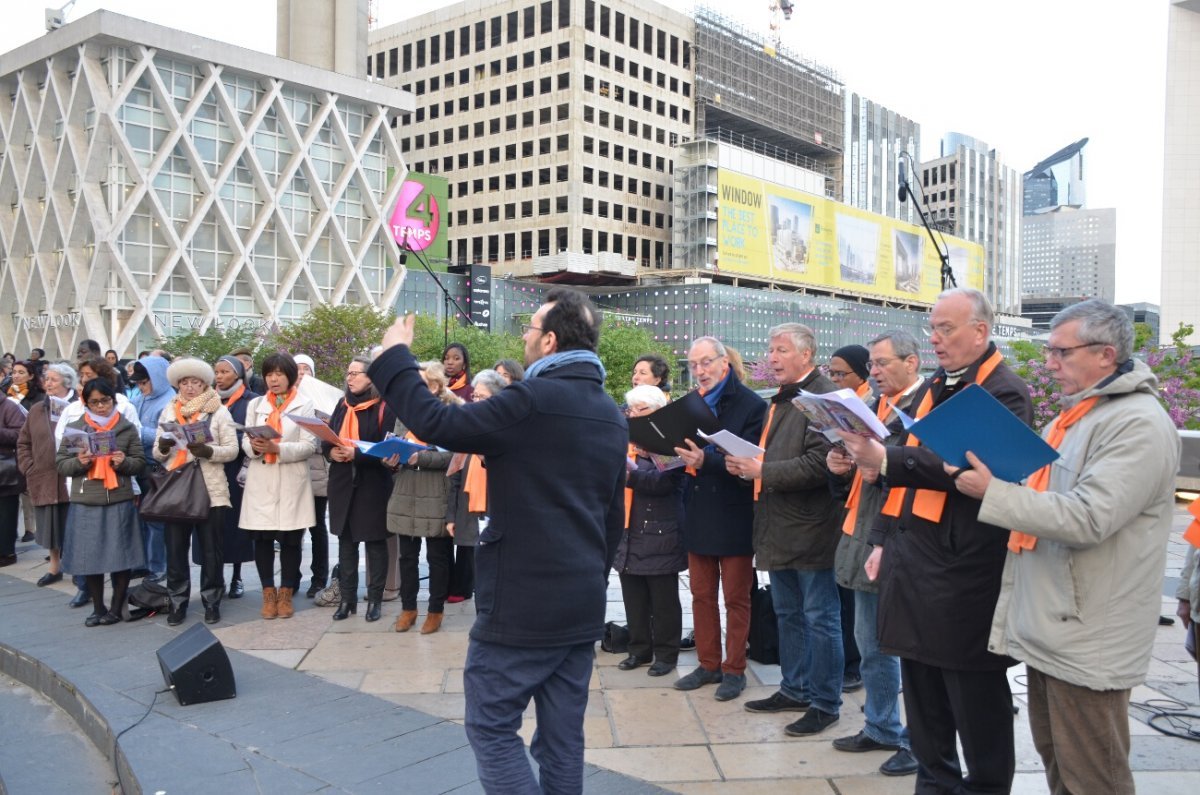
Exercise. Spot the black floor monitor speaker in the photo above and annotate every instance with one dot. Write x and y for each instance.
(196, 667)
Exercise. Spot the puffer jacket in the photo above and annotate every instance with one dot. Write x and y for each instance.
(795, 516)
(86, 491)
(417, 506)
(224, 447)
(652, 543)
(150, 407)
(1083, 605)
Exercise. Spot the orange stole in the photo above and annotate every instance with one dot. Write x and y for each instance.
(349, 429)
(852, 501)
(275, 420)
(929, 504)
(102, 465)
(1192, 534)
(762, 442)
(236, 396)
(1040, 480)
(864, 390)
(181, 454)
(632, 453)
(475, 485)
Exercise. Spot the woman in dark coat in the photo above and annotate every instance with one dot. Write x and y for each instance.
(26, 387)
(236, 545)
(36, 455)
(650, 555)
(359, 486)
(12, 417)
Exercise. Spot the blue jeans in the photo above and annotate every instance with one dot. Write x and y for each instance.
(155, 541)
(811, 658)
(498, 683)
(880, 675)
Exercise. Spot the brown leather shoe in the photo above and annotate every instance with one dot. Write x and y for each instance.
(405, 621)
(286, 610)
(433, 622)
(270, 608)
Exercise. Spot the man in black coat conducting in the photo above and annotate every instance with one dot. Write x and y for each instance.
(555, 447)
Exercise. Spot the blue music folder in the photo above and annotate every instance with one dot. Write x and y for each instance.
(974, 420)
(390, 447)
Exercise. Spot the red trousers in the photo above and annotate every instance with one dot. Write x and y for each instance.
(735, 577)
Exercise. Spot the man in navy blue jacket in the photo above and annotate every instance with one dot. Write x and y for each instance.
(555, 448)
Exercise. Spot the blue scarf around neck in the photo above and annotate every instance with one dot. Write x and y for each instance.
(714, 395)
(547, 363)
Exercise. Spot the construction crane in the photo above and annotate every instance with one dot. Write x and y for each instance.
(781, 10)
(57, 17)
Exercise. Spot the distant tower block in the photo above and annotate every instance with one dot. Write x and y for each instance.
(327, 34)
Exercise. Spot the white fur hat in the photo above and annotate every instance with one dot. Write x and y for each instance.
(304, 358)
(183, 368)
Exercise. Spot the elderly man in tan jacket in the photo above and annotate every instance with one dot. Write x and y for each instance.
(1082, 585)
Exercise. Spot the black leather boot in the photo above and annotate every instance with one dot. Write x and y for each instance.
(345, 610)
(374, 609)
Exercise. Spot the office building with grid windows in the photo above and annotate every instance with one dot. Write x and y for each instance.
(153, 181)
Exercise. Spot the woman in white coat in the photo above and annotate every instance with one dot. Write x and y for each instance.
(197, 401)
(277, 504)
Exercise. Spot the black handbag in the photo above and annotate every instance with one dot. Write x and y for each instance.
(616, 638)
(177, 496)
(763, 641)
(11, 479)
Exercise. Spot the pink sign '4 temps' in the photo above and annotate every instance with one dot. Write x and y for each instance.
(417, 217)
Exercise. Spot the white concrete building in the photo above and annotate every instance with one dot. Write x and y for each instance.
(153, 181)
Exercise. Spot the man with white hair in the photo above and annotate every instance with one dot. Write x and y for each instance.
(1083, 579)
(939, 570)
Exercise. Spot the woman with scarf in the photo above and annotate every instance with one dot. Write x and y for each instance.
(236, 546)
(37, 453)
(358, 485)
(104, 537)
(417, 510)
(457, 364)
(277, 505)
(196, 401)
(26, 387)
(466, 502)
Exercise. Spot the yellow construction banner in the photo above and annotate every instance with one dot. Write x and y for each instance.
(770, 231)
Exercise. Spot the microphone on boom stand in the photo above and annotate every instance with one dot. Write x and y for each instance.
(905, 192)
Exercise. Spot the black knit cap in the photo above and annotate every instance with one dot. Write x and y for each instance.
(856, 356)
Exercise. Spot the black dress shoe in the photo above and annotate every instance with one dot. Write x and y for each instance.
(176, 617)
(81, 598)
(631, 662)
(212, 614)
(374, 610)
(901, 763)
(49, 579)
(109, 618)
(860, 743)
(7, 560)
(93, 620)
(688, 641)
(25, 539)
(236, 589)
(661, 668)
(345, 610)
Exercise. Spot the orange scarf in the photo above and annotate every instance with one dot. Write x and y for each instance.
(864, 390)
(459, 382)
(349, 430)
(181, 454)
(1040, 480)
(275, 420)
(236, 396)
(1192, 534)
(632, 453)
(19, 392)
(762, 442)
(852, 501)
(929, 504)
(475, 485)
(102, 465)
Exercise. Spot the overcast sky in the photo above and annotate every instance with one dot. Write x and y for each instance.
(1026, 76)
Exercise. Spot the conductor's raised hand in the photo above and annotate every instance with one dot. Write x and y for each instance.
(400, 332)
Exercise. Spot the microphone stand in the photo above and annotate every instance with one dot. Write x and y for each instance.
(408, 249)
(943, 251)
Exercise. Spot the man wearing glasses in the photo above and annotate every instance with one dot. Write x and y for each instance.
(555, 445)
(939, 569)
(1083, 583)
(718, 525)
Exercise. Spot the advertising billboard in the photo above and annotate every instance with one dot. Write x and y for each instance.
(420, 216)
(774, 232)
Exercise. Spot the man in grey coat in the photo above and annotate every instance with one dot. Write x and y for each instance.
(1082, 585)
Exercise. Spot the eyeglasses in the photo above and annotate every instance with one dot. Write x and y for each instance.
(527, 327)
(1050, 351)
(838, 375)
(100, 402)
(355, 373)
(703, 364)
(941, 329)
(880, 363)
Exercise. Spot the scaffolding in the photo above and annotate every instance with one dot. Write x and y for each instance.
(749, 87)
